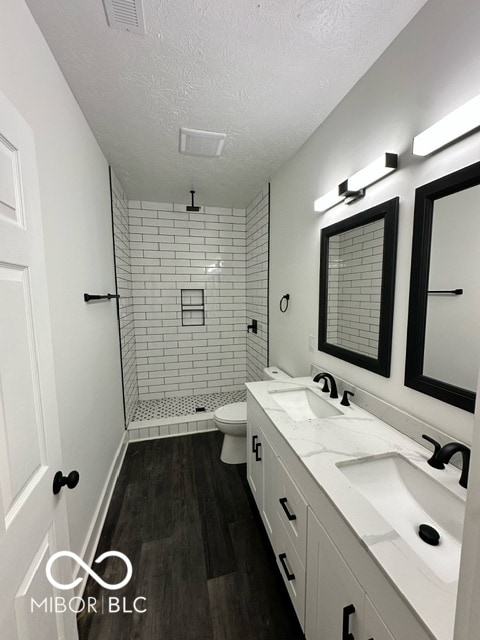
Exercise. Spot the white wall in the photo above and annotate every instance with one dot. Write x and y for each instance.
(75, 201)
(430, 69)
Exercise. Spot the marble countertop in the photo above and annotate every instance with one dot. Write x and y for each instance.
(323, 443)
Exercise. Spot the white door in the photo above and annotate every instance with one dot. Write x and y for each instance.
(32, 520)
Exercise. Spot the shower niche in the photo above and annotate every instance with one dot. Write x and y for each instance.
(192, 303)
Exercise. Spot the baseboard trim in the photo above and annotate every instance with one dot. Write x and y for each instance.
(98, 520)
(173, 435)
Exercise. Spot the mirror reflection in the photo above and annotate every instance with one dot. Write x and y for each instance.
(357, 277)
(355, 260)
(443, 351)
(452, 348)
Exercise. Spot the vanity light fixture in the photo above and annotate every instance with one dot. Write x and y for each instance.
(458, 123)
(354, 187)
(328, 201)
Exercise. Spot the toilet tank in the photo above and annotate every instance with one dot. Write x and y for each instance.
(274, 373)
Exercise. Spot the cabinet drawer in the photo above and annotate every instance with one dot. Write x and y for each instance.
(291, 508)
(291, 569)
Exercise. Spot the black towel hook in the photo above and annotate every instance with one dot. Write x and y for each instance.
(284, 305)
(93, 296)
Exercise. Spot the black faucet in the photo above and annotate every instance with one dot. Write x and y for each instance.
(333, 384)
(434, 461)
(442, 456)
(448, 450)
(345, 401)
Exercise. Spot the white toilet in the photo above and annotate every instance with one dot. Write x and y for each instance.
(231, 419)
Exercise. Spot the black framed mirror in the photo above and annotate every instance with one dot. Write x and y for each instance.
(357, 286)
(443, 350)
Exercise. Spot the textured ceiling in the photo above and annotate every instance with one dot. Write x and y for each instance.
(265, 72)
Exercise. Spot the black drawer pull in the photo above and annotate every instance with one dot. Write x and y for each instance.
(258, 457)
(290, 516)
(347, 612)
(282, 557)
(254, 443)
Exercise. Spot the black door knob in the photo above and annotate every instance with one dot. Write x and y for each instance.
(60, 480)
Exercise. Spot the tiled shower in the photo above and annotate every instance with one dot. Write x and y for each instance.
(123, 274)
(181, 357)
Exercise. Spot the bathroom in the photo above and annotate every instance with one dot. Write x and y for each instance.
(430, 69)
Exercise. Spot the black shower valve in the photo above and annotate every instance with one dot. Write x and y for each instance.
(252, 327)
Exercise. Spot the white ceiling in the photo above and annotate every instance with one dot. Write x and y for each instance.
(265, 72)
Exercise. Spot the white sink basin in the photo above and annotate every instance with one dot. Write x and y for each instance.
(406, 497)
(304, 404)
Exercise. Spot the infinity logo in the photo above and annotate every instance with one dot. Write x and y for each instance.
(96, 577)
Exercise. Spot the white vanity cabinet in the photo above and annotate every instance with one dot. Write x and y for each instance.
(255, 464)
(278, 498)
(282, 507)
(292, 569)
(261, 467)
(286, 509)
(290, 507)
(336, 604)
(321, 577)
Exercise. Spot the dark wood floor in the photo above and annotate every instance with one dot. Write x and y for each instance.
(199, 552)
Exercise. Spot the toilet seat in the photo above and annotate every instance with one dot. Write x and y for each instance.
(233, 413)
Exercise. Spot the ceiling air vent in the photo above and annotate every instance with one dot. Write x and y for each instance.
(126, 15)
(201, 143)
